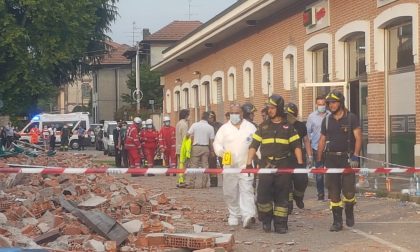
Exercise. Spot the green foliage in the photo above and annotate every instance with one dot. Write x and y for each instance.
(48, 43)
(149, 85)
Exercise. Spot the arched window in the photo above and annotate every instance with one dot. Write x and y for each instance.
(186, 95)
(248, 79)
(267, 74)
(231, 82)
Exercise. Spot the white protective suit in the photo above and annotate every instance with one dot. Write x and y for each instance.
(237, 188)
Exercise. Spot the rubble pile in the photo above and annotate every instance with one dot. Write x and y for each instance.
(96, 213)
(60, 159)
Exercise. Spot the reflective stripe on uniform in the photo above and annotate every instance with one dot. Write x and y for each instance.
(290, 196)
(257, 137)
(298, 194)
(274, 140)
(336, 204)
(294, 138)
(265, 208)
(280, 211)
(352, 200)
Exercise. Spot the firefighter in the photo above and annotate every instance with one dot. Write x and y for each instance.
(276, 139)
(149, 139)
(248, 110)
(299, 181)
(167, 142)
(132, 143)
(341, 139)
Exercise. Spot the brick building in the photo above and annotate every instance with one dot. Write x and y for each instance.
(301, 49)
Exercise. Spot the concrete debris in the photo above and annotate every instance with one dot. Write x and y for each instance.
(96, 212)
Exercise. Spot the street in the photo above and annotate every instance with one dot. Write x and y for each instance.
(382, 224)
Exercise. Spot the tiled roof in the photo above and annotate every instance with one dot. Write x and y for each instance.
(174, 31)
(115, 54)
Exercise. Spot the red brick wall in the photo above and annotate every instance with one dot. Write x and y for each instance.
(273, 37)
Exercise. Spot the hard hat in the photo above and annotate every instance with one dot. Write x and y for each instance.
(335, 96)
(149, 121)
(248, 108)
(278, 102)
(166, 118)
(292, 109)
(137, 120)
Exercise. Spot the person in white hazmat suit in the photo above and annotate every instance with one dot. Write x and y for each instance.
(231, 143)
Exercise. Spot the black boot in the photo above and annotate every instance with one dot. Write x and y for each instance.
(290, 207)
(338, 219)
(213, 181)
(299, 202)
(349, 215)
(267, 226)
(280, 225)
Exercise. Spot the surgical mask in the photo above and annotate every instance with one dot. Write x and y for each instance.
(166, 123)
(149, 126)
(235, 118)
(321, 109)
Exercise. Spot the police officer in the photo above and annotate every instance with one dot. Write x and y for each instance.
(341, 138)
(276, 139)
(299, 181)
(248, 110)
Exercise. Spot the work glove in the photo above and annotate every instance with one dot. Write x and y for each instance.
(319, 164)
(310, 162)
(354, 161)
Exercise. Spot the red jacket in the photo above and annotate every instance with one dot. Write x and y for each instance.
(132, 140)
(167, 137)
(149, 138)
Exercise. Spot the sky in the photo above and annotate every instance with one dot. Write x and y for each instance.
(155, 14)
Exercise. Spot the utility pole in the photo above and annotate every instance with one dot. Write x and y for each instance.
(134, 31)
(138, 98)
(189, 9)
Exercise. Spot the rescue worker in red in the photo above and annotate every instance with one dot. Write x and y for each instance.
(35, 133)
(132, 143)
(167, 142)
(149, 140)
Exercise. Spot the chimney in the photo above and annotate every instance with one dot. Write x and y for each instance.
(146, 33)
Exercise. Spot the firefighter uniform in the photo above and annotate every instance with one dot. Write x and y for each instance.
(276, 142)
(167, 143)
(340, 144)
(149, 138)
(132, 145)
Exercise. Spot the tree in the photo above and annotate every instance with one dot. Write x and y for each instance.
(149, 85)
(47, 43)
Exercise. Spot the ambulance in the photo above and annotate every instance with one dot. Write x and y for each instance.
(73, 121)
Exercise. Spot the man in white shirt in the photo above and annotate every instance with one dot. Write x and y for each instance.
(202, 136)
(233, 139)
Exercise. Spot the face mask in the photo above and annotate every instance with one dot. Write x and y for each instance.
(124, 127)
(235, 118)
(321, 109)
(149, 126)
(166, 123)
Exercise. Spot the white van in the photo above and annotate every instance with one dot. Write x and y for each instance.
(74, 120)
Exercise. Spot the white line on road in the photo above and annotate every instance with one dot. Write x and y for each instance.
(382, 241)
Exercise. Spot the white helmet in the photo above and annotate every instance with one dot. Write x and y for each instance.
(166, 118)
(137, 120)
(149, 121)
(143, 123)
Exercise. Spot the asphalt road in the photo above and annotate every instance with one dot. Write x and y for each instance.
(382, 224)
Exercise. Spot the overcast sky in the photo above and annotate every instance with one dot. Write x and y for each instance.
(155, 14)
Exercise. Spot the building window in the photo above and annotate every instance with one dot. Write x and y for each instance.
(401, 46)
(177, 101)
(247, 82)
(292, 78)
(85, 91)
(267, 78)
(196, 96)
(356, 60)
(320, 64)
(206, 86)
(231, 87)
(186, 98)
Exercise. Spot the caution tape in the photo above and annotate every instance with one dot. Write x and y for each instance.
(163, 171)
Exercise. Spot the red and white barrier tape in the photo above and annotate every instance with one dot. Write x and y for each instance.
(161, 171)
